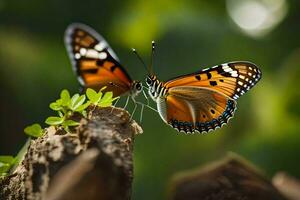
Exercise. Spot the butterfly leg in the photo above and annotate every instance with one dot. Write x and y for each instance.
(142, 108)
(146, 97)
(134, 109)
(148, 106)
(114, 105)
(141, 116)
(127, 100)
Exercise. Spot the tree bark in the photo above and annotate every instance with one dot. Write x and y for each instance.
(232, 178)
(93, 162)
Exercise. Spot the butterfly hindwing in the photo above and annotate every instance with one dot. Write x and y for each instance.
(231, 79)
(93, 60)
(192, 109)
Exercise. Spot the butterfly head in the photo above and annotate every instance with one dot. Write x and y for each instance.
(136, 87)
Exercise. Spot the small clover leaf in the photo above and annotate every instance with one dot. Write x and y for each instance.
(34, 130)
(106, 100)
(54, 120)
(93, 96)
(55, 106)
(65, 97)
(83, 106)
(78, 102)
(73, 101)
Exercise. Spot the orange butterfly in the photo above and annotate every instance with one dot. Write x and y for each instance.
(95, 63)
(204, 100)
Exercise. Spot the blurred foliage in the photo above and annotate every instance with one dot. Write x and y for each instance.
(190, 35)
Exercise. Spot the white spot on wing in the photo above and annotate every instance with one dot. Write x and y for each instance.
(83, 51)
(102, 55)
(91, 53)
(100, 46)
(241, 77)
(234, 74)
(77, 55)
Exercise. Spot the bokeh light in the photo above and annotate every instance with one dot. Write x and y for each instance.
(257, 17)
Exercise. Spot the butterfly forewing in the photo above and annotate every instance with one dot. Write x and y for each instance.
(93, 60)
(231, 79)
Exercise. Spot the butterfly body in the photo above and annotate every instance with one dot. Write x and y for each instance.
(95, 63)
(204, 100)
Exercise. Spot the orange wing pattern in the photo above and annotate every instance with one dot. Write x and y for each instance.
(94, 62)
(204, 100)
(192, 109)
(231, 79)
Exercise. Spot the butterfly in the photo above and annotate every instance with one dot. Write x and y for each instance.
(203, 100)
(95, 63)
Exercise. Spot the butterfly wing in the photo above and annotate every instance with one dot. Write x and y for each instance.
(231, 79)
(189, 109)
(94, 62)
(205, 100)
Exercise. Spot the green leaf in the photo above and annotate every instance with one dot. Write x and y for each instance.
(70, 123)
(93, 96)
(55, 106)
(83, 106)
(54, 120)
(4, 168)
(79, 102)
(34, 130)
(7, 159)
(65, 97)
(5, 163)
(106, 100)
(73, 101)
(90, 93)
(105, 104)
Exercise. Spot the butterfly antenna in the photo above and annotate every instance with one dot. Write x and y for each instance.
(152, 57)
(140, 59)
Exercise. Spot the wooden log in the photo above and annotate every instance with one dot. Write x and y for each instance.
(93, 162)
(232, 178)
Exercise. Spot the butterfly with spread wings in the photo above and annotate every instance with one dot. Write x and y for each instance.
(95, 63)
(204, 100)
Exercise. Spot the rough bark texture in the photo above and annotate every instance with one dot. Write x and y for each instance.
(94, 162)
(230, 179)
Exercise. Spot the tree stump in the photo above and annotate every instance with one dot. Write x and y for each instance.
(93, 162)
(232, 178)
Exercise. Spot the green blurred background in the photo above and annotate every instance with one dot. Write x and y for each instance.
(190, 35)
